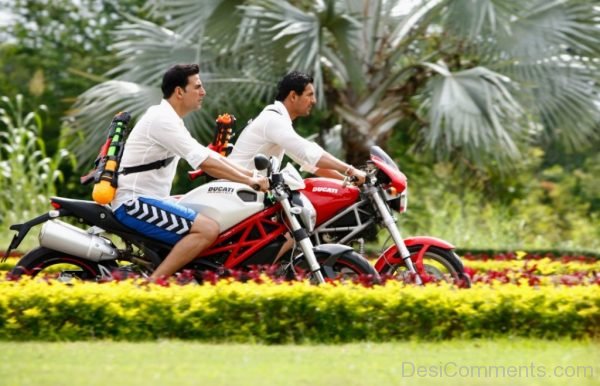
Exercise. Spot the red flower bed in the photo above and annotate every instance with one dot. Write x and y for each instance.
(530, 277)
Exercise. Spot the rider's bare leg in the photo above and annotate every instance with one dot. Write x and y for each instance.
(285, 247)
(203, 233)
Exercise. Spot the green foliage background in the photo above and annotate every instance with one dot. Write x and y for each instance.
(28, 174)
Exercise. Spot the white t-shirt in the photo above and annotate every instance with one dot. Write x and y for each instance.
(272, 134)
(159, 134)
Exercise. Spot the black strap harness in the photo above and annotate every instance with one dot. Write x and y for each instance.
(145, 167)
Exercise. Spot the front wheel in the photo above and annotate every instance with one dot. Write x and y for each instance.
(438, 265)
(61, 266)
(348, 266)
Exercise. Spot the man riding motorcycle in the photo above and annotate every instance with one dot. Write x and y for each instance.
(272, 133)
(147, 172)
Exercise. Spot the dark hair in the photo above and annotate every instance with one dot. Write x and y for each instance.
(177, 76)
(294, 81)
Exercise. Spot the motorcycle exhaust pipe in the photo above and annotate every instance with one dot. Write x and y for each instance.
(66, 238)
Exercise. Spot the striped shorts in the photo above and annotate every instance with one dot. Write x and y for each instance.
(159, 220)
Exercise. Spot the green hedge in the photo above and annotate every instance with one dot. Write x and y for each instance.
(298, 312)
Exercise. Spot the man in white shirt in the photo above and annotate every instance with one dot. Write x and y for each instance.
(272, 133)
(148, 166)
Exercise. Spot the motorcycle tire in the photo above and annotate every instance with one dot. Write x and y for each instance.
(349, 266)
(441, 264)
(65, 267)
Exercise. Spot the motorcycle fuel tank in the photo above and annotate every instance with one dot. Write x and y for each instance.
(228, 203)
(329, 196)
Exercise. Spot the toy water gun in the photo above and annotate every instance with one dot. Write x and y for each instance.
(106, 165)
(225, 124)
(223, 134)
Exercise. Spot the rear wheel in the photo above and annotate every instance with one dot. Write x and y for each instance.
(438, 264)
(61, 266)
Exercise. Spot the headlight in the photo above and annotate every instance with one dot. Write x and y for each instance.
(404, 201)
(398, 203)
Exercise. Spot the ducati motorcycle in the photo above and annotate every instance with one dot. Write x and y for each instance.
(255, 226)
(348, 215)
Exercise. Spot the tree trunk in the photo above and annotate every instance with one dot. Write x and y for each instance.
(356, 146)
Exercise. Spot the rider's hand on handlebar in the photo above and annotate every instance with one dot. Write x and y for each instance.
(259, 183)
(356, 176)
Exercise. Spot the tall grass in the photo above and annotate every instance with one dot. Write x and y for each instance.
(27, 173)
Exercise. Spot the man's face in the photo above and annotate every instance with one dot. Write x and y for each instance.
(193, 93)
(303, 104)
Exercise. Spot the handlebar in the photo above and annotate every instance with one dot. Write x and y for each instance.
(350, 180)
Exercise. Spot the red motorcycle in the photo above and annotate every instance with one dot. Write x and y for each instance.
(348, 215)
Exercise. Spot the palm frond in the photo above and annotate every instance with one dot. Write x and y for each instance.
(565, 96)
(146, 50)
(365, 52)
(411, 20)
(558, 25)
(523, 30)
(343, 30)
(472, 109)
(96, 107)
(474, 20)
(374, 123)
(358, 121)
(332, 61)
(281, 29)
(216, 18)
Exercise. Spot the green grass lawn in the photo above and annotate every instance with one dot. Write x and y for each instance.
(498, 362)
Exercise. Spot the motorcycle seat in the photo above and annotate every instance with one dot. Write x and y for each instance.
(93, 213)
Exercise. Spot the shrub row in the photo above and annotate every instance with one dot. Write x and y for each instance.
(292, 313)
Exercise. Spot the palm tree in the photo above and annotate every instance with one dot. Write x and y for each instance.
(476, 77)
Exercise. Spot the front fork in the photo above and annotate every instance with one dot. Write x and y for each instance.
(390, 224)
(301, 236)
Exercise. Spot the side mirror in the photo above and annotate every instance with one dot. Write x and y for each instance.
(261, 162)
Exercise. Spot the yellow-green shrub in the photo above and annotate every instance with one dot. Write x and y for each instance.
(299, 312)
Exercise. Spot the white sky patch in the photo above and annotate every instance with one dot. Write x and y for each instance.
(5, 17)
(405, 6)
